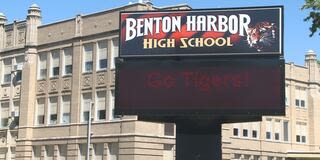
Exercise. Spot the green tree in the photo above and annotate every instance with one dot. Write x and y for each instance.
(314, 15)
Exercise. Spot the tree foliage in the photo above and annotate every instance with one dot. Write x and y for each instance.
(314, 15)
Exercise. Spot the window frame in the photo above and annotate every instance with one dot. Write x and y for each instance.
(64, 66)
(39, 74)
(84, 62)
(53, 68)
(98, 60)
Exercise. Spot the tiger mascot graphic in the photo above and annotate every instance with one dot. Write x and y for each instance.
(261, 36)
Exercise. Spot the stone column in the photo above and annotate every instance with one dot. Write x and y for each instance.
(28, 85)
(3, 21)
(313, 101)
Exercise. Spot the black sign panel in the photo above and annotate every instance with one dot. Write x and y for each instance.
(202, 32)
(200, 86)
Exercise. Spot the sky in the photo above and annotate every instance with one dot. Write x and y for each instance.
(296, 32)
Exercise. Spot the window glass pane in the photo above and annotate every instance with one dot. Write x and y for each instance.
(7, 70)
(285, 131)
(49, 152)
(298, 138)
(13, 153)
(303, 139)
(53, 110)
(18, 76)
(63, 151)
(297, 103)
(67, 61)
(276, 136)
(19, 63)
(36, 152)
(88, 48)
(287, 95)
(277, 129)
(111, 104)
(113, 151)
(4, 114)
(40, 111)
(86, 101)
(42, 66)
(16, 105)
(101, 105)
(83, 151)
(19, 60)
(245, 133)
(55, 60)
(98, 151)
(66, 108)
(254, 134)
(302, 103)
(102, 54)
(268, 135)
(114, 51)
(235, 131)
(169, 129)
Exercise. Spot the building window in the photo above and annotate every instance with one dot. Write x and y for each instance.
(254, 134)
(42, 72)
(7, 71)
(268, 135)
(86, 102)
(55, 60)
(270, 158)
(301, 96)
(53, 110)
(88, 63)
(16, 105)
(67, 63)
(235, 131)
(19, 64)
(36, 152)
(83, 151)
(255, 127)
(101, 105)
(4, 114)
(286, 131)
(111, 105)
(268, 128)
(40, 111)
(237, 156)
(63, 152)
(302, 103)
(277, 129)
(298, 138)
(287, 95)
(113, 151)
(297, 102)
(114, 51)
(49, 152)
(276, 136)
(168, 152)
(98, 151)
(65, 111)
(102, 55)
(245, 133)
(303, 139)
(169, 129)
(13, 153)
(301, 132)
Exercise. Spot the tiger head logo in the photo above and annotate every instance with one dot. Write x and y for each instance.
(261, 36)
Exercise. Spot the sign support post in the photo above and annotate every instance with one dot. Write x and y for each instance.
(199, 140)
